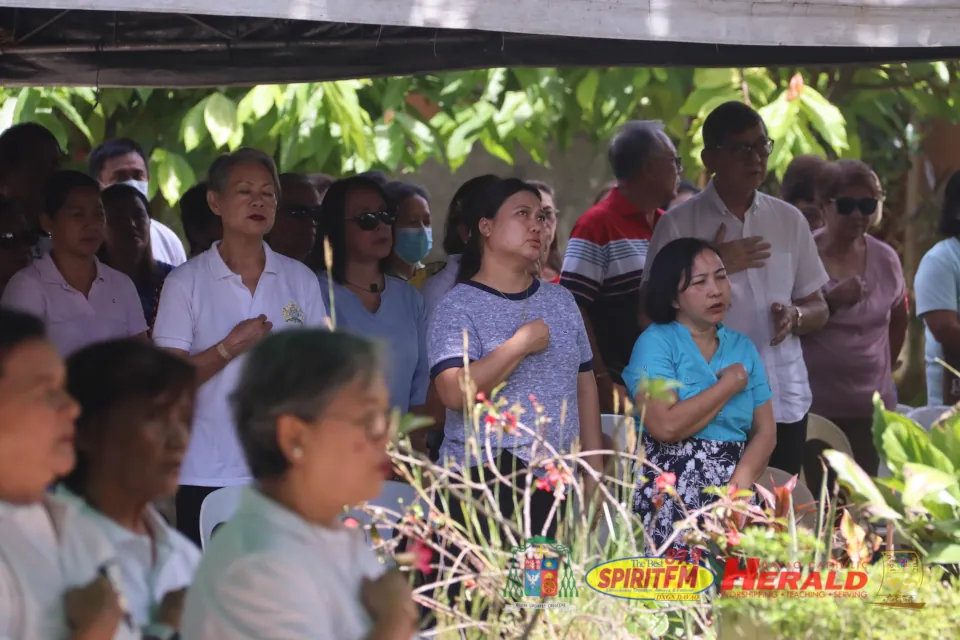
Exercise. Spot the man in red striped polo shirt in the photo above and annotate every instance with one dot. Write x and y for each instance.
(607, 251)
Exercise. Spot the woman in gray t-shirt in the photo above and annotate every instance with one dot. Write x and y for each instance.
(520, 331)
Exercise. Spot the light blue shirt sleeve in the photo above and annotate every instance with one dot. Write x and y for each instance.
(652, 358)
(936, 281)
(757, 384)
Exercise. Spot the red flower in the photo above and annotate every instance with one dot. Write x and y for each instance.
(481, 397)
(490, 420)
(532, 397)
(469, 583)
(510, 422)
(733, 537)
(350, 523)
(665, 481)
(422, 556)
(544, 485)
(555, 478)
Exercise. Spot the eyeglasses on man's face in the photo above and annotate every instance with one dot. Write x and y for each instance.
(744, 150)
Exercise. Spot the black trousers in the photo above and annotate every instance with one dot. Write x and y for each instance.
(189, 499)
(788, 454)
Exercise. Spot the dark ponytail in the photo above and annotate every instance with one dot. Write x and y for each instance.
(486, 204)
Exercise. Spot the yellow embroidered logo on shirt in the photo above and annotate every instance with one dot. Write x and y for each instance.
(293, 313)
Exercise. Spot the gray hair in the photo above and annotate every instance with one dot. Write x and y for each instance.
(219, 176)
(293, 372)
(633, 145)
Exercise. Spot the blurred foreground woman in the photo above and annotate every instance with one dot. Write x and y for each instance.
(311, 413)
(136, 403)
(56, 570)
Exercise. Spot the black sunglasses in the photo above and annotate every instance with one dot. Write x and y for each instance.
(846, 206)
(370, 220)
(302, 212)
(762, 147)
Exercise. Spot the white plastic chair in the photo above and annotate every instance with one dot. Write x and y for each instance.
(926, 416)
(609, 425)
(217, 508)
(802, 496)
(819, 428)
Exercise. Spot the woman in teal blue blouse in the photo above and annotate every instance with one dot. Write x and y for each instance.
(718, 428)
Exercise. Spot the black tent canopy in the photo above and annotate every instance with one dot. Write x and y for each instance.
(202, 43)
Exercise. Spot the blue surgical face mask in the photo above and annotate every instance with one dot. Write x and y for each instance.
(413, 245)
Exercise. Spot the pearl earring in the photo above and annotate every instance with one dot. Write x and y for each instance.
(297, 453)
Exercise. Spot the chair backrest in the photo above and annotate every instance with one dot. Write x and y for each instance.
(616, 427)
(926, 416)
(804, 504)
(217, 508)
(819, 428)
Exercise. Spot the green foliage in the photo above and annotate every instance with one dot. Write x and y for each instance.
(922, 494)
(396, 124)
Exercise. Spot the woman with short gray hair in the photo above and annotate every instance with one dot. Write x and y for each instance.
(219, 304)
(311, 413)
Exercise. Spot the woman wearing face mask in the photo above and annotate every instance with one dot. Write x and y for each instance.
(852, 356)
(127, 244)
(413, 236)
(56, 569)
(80, 299)
(136, 403)
(717, 428)
(359, 227)
(521, 331)
(216, 306)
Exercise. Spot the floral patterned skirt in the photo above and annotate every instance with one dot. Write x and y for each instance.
(697, 464)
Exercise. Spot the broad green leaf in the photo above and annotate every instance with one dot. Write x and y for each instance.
(220, 116)
(144, 93)
(859, 483)
(395, 93)
(70, 112)
(175, 176)
(825, 118)
(496, 81)
(946, 438)
(943, 553)
(587, 91)
(714, 78)
(780, 116)
(389, 144)
(462, 139)
(194, 130)
(6, 113)
(263, 98)
(904, 441)
(922, 481)
(27, 103)
(494, 148)
(52, 123)
(97, 123)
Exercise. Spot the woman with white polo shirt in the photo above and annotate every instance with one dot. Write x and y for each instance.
(311, 410)
(136, 405)
(80, 299)
(55, 567)
(358, 224)
(216, 306)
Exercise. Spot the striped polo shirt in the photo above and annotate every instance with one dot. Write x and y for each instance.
(603, 268)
